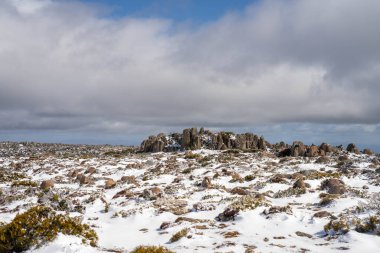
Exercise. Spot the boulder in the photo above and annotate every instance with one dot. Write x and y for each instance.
(206, 183)
(90, 170)
(110, 183)
(239, 191)
(297, 149)
(312, 151)
(47, 184)
(152, 193)
(326, 148)
(300, 183)
(227, 215)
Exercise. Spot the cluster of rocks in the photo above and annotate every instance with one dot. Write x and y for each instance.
(300, 149)
(191, 138)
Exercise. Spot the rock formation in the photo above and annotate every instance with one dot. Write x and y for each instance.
(191, 139)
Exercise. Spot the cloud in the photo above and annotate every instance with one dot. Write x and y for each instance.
(64, 66)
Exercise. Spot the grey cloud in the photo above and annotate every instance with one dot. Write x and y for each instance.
(64, 67)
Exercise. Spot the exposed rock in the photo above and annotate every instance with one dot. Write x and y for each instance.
(278, 209)
(327, 148)
(47, 184)
(192, 139)
(123, 193)
(152, 193)
(343, 158)
(83, 179)
(175, 206)
(333, 186)
(300, 183)
(303, 234)
(90, 170)
(352, 148)
(227, 215)
(110, 183)
(129, 180)
(322, 214)
(206, 183)
(239, 191)
(313, 151)
(323, 159)
(298, 149)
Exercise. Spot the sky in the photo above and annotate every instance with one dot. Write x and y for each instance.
(117, 71)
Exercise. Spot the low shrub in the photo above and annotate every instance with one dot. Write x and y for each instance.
(151, 249)
(25, 183)
(180, 234)
(337, 227)
(39, 225)
(289, 192)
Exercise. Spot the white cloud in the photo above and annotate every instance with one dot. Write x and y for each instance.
(64, 67)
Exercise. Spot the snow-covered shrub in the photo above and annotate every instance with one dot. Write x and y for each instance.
(177, 236)
(337, 227)
(151, 249)
(39, 225)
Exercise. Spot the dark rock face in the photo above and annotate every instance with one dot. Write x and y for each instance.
(192, 139)
(352, 148)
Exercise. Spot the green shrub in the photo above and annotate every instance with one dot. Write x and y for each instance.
(248, 202)
(151, 249)
(289, 192)
(182, 233)
(249, 177)
(39, 225)
(26, 183)
(191, 155)
(337, 227)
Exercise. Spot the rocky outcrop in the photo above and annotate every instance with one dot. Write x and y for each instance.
(191, 138)
(300, 149)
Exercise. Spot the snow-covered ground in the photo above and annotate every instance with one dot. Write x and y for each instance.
(183, 191)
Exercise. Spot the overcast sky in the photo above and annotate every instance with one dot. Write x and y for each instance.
(81, 72)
